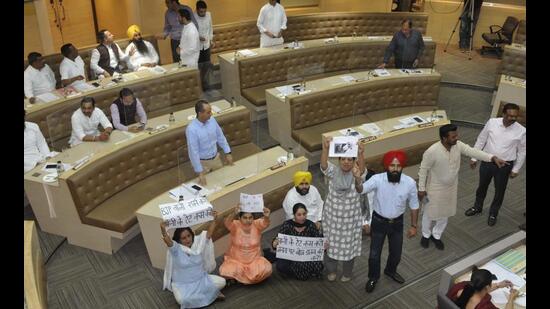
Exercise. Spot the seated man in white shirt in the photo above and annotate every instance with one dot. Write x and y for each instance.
(72, 67)
(144, 54)
(106, 57)
(38, 77)
(126, 111)
(304, 192)
(85, 121)
(35, 148)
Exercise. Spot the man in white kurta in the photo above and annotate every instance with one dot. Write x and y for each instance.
(271, 23)
(190, 43)
(85, 122)
(34, 146)
(438, 181)
(145, 55)
(305, 193)
(72, 67)
(38, 77)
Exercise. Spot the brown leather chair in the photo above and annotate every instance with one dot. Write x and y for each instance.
(499, 36)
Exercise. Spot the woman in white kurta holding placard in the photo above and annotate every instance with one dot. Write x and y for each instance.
(438, 181)
(271, 23)
(190, 43)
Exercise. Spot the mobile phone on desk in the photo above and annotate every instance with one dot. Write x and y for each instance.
(198, 188)
(417, 119)
(51, 165)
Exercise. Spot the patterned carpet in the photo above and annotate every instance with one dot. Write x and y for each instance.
(82, 278)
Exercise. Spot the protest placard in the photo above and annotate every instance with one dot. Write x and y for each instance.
(343, 146)
(186, 213)
(301, 249)
(252, 202)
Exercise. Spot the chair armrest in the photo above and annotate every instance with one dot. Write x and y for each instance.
(491, 28)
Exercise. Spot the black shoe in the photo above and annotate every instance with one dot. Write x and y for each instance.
(396, 277)
(370, 285)
(492, 220)
(472, 211)
(425, 242)
(438, 243)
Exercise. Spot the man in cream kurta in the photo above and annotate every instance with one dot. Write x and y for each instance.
(271, 23)
(438, 181)
(190, 43)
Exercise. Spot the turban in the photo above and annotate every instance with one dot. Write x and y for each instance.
(133, 29)
(301, 176)
(395, 154)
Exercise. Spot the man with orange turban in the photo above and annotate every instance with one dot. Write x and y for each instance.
(145, 55)
(392, 191)
(304, 192)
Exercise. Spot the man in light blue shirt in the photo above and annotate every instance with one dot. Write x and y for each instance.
(203, 133)
(392, 191)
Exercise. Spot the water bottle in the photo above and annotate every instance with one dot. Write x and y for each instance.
(59, 168)
(336, 38)
(171, 118)
(289, 154)
(233, 102)
(434, 115)
(180, 200)
(348, 132)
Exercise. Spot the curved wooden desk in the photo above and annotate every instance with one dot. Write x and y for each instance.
(258, 178)
(247, 78)
(53, 203)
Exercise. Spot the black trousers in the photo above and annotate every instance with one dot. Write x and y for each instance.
(205, 66)
(380, 228)
(173, 45)
(399, 64)
(488, 171)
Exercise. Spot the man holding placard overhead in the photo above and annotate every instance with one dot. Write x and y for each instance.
(393, 190)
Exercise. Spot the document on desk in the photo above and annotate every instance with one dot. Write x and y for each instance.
(83, 87)
(47, 97)
(157, 70)
(247, 53)
(412, 121)
(348, 78)
(512, 260)
(285, 90)
(503, 274)
(372, 128)
(382, 72)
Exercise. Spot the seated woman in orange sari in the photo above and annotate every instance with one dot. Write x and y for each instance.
(243, 260)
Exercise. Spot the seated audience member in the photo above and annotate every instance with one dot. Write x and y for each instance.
(202, 134)
(189, 259)
(475, 293)
(34, 145)
(107, 56)
(299, 226)
(38, 77)
(243, 261)
(305, 193)
(144, 55)
(72, 67)
(127, 110)
(84, 122)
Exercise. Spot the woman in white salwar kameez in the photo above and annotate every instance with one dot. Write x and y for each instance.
(189, 259)
(342, 215)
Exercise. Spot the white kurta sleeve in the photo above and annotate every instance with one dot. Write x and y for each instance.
(27, 83)
(283, 18)
(319, 202)
(260, 22)
(78, 129)
(521, 155)
(482, 138)
(105, 123)
(466, 150)
(425, 166)
(133, 62)
(153, 52)
(93, 62)
(287, 205)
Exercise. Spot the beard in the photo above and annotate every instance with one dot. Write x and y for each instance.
(394, 176)
(141, 47)
(302, 191)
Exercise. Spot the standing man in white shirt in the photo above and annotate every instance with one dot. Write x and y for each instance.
(438, 181)
(189, 48)
(85, 121)
(106, 57)
(206, 37)
(393, 190)
(271, 23)
(72, 67)
(504, 137)
(305, 193)
(38, 77)
(34, 145)
(144, 55)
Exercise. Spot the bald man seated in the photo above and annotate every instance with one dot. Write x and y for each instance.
(306, 193)
(144, 56)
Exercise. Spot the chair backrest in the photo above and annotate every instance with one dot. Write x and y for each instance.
(509, 26)
(521, 33)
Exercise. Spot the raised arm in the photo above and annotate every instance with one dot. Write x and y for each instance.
(228, 221)
(165, 237)
(212, 225)
(324, 152)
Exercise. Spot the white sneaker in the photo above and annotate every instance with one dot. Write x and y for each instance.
(345, 279)
(331, 277)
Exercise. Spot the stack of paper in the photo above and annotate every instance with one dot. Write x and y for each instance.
(247, 53)
(285, 90)
(372, 128)
(157, 70)
(47, 97)
(382, 72)
(348, 78)
(83, 87)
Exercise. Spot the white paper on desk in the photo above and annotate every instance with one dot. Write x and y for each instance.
(186, 213)
(157, 70)
(216, 109)
(47, 97)
(285, 90)
(351, 132)
(412, 120)
(343, 146)
(372, 128)
(252, 202)
(183, 191)
(400, 126)
(382, 72)
(503, 274)
(412, 71)
(348, 78)
(247, 53)
(83, 87)
(375, 37)
(498, 296)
